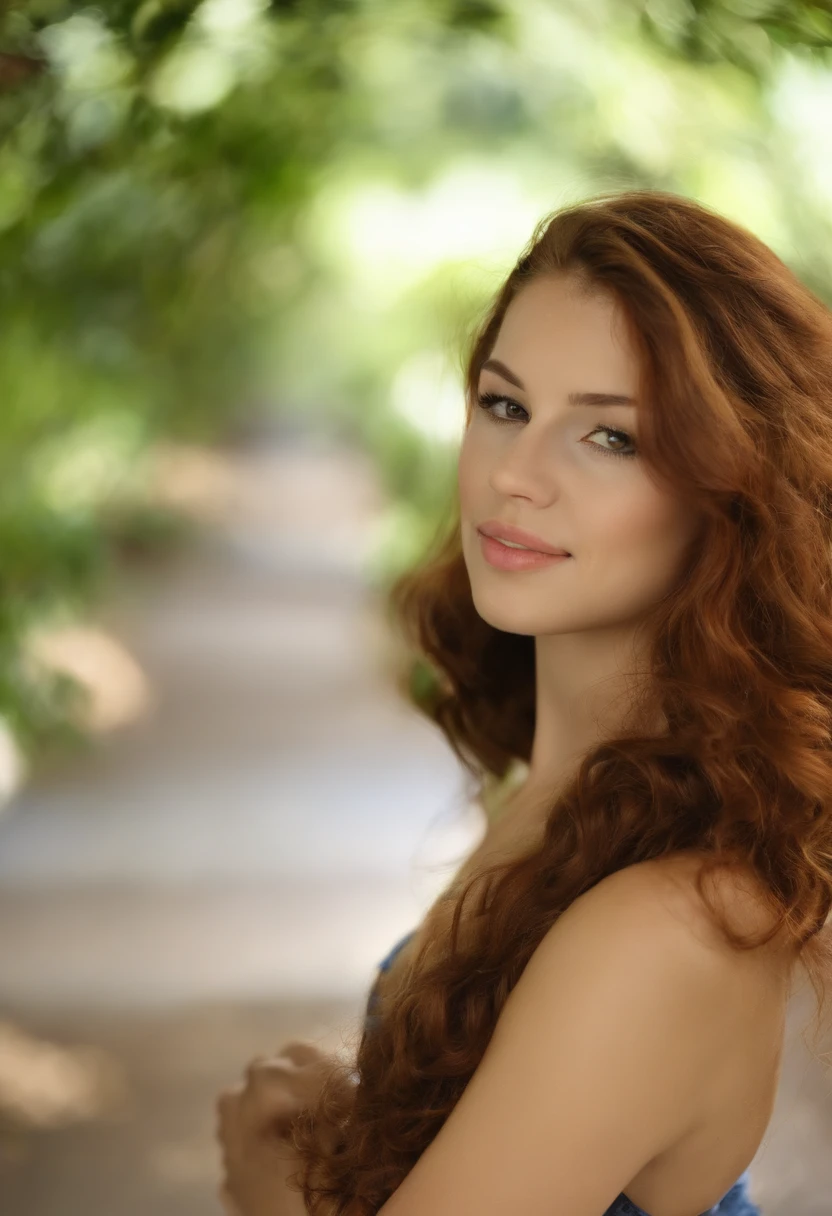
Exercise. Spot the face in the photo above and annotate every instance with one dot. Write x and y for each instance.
(563, 472)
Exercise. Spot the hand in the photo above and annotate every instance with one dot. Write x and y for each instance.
(278, 1087)
(254, 1119)
(257, 1167)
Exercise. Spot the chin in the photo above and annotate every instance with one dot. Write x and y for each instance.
(500, 616)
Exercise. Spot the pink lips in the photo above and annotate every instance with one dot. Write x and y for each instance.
(503, 557)
(494, 528)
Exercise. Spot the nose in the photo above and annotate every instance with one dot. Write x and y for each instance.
(526, 469)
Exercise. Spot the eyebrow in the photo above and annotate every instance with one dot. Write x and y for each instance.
(496, 365)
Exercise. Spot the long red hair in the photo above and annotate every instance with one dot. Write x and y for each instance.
(736, 362)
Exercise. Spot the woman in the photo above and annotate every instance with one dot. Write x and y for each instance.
(634, 603)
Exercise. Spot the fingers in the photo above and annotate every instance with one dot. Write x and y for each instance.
(301, 1051)
(272, 1096)
(256, 1067)
(252, 1118)
(227, 1110)
(276, 1086)
(274, 1091)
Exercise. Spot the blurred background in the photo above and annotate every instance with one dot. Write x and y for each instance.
(241, 246)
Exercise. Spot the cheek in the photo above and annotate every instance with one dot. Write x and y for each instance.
(469, 472)
(650, 537)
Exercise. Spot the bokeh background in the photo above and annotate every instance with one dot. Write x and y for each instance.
(241, 247)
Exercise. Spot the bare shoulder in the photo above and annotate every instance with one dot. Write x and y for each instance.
(650, 922)
(649, 928)
(736, 891)
(668, 886)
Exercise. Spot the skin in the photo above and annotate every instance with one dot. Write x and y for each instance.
(253, 1121)
(548, 471)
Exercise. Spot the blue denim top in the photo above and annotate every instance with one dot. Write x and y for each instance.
(736, 1202)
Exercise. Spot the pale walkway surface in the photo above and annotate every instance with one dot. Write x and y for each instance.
(225, 874)
(281, 803)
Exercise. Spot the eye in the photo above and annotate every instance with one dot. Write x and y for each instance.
(487, 402)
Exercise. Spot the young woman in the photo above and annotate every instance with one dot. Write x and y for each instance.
(634, 605)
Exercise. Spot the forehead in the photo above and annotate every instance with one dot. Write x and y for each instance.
(557, 332)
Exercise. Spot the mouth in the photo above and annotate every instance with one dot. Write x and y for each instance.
(504, 556)
(517, 538)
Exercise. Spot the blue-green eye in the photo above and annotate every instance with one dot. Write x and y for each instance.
(487, 402)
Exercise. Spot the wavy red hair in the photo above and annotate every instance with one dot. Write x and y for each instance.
(736, 364)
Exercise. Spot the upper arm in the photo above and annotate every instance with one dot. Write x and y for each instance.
(595, 1065)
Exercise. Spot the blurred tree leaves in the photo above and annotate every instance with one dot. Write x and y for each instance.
(205, 204)
(742, 32)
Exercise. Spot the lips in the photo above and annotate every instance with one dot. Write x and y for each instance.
(519, 536)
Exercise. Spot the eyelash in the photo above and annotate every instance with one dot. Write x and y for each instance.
(487, 401)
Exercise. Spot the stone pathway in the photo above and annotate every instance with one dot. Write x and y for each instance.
(224, 873)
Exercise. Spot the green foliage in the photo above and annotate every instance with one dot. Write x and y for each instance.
(307, 203)
(742, 32)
